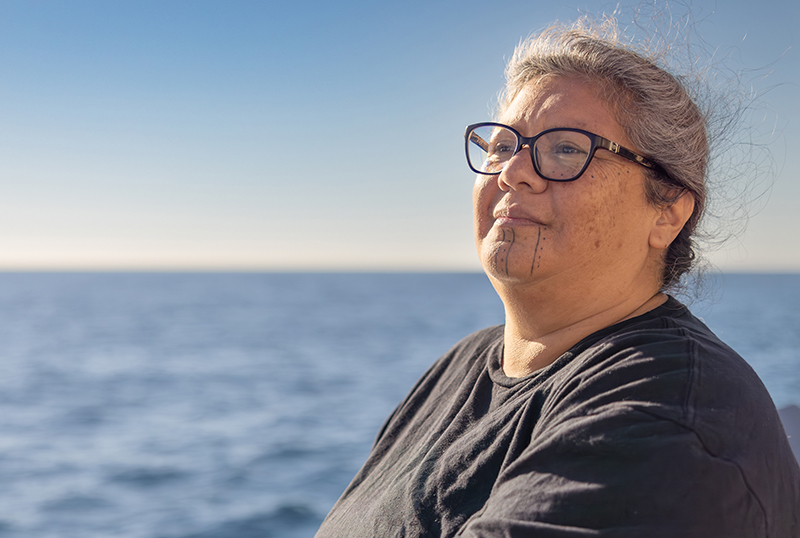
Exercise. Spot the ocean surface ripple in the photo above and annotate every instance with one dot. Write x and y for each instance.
(150, 405)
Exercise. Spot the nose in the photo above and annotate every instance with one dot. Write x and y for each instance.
(520, 174)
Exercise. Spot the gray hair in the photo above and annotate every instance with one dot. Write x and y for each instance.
(652, 106)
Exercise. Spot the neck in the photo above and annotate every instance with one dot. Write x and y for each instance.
(540, 328)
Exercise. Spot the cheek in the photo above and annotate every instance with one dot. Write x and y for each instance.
(610, 218)
(483, 200)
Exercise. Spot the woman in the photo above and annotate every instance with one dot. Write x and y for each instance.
(602, 407)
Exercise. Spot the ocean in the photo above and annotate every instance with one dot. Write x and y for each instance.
(166, 405)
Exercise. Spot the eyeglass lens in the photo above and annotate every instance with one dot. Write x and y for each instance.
(558, 155)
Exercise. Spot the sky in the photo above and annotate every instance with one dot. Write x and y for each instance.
(195, 135)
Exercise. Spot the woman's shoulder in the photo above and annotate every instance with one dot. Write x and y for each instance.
(667, 340)
(468, 354)
(666, 356)
(460, 363)
(478, 341)
(666, 372)
(670, 366)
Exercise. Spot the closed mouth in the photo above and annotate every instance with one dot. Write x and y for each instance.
(511, 217)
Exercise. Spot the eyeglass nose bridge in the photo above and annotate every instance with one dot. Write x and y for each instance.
(517, 151)
(529, 143)
(523, 143)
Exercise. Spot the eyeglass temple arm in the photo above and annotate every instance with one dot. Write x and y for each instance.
(484, 145)
(613, 147)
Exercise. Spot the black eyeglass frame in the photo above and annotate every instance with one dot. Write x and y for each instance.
(596, 140)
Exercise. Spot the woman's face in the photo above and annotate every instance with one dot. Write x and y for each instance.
(589, 232)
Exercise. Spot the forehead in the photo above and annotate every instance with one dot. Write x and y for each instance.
(552, 102)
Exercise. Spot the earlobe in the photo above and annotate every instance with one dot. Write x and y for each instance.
(670, 221)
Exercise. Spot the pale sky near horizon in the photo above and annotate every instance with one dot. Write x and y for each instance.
(262, 136)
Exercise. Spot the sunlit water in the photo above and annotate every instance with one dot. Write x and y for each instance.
(240, 405)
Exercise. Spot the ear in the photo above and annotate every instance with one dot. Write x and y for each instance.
(670, 221)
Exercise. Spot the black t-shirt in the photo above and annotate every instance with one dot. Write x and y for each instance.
(649, 428)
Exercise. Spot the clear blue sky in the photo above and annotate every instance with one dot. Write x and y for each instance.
(321, 135)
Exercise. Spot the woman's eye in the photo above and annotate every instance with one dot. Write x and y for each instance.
(502, 148)
(567, 149)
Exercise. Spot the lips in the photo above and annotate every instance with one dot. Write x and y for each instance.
(515, 216)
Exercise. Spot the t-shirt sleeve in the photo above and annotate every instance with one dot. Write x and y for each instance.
(620, 472)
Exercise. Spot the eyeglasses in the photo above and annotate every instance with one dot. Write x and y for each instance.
(561, 154)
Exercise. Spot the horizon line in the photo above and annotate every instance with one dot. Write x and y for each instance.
(319, 270)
